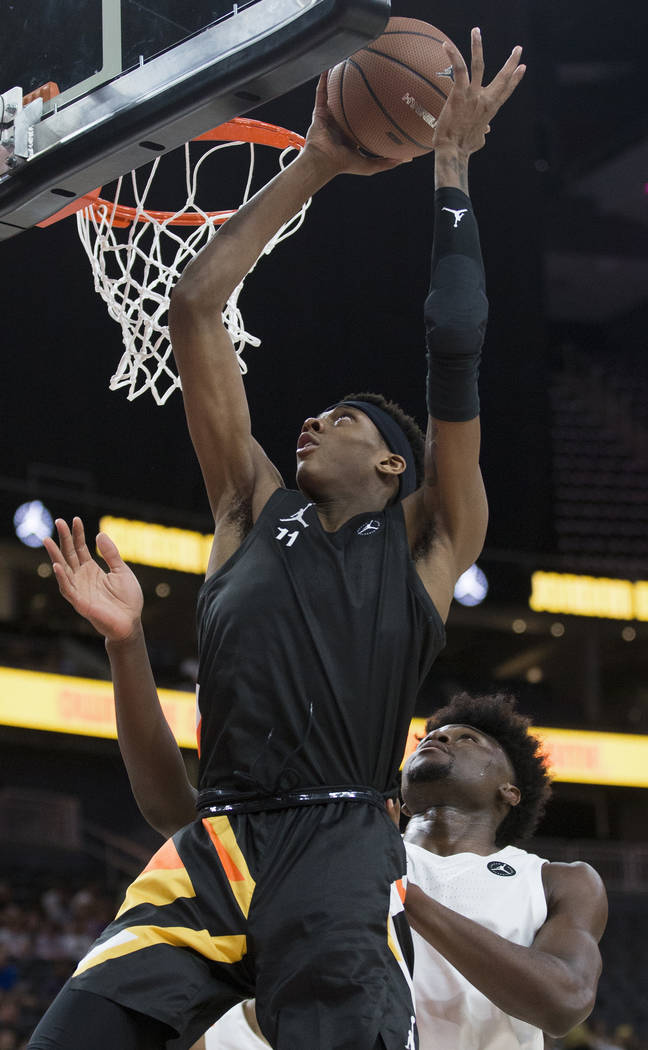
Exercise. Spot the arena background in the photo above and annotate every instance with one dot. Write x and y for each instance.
(561, 193)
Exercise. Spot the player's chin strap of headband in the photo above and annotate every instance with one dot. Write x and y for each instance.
(395, 439)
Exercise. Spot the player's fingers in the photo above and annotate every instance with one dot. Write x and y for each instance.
(496, 94)
(321, 93)
(508, 69)
(55, 555)
(393, 810)
(109, 552)
(506, 89)
(62, 572)
(477, 59)
(459, 67)
(79, 540)
(65, 580)
(66, 543)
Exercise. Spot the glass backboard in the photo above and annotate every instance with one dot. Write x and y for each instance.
(133, 79)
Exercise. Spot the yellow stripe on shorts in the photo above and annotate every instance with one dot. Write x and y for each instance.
(226, 949)
(234, 864)
(163, 880)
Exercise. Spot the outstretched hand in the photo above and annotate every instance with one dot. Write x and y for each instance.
(465, 118)
(111, 601)
(325, 139)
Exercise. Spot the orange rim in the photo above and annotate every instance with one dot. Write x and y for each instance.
(239, 129)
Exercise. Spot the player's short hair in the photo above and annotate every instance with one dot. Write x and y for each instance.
(496, 716)
(408, 425)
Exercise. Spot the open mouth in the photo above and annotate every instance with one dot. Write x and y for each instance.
(306, 443)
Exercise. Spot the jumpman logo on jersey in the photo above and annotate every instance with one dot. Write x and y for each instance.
(458, 215)
(297, 516)
(285, 534)
(498, 867)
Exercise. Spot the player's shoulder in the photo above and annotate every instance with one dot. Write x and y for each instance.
(570, 879)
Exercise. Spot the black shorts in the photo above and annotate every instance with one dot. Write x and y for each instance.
(301, 908)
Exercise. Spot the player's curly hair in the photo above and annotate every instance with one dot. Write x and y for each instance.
(408, 425)
(496, 716)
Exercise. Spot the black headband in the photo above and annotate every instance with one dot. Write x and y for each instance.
(394, 437)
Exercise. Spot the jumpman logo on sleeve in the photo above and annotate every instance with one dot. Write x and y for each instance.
(458, 215)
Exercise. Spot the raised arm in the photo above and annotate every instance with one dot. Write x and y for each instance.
(112, 603)
(551, 984)
(234, 468)
(456, 311)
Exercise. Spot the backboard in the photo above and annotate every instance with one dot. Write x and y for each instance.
(129, 80)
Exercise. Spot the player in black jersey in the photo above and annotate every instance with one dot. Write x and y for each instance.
(322, 611)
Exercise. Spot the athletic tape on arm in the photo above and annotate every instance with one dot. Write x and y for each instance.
(456, 310)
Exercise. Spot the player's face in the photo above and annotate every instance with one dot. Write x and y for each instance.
(454, 758)
(338, 449)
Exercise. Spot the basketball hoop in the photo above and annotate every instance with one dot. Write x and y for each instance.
(137, 255)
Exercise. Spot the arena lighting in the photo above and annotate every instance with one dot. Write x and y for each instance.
(601, 596)
(471, 587)
(33, 522)
(146, 543)
(84, 706)
(81, 706)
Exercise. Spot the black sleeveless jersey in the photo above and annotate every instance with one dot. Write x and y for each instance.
(313, 646)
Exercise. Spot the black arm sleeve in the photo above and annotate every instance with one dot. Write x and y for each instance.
(456, 310)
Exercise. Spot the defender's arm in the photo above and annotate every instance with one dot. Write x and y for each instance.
(551, 984)
(163, 792)
(112, 603)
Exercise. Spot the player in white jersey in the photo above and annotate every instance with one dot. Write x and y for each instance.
(506, 943)
(238, 1029)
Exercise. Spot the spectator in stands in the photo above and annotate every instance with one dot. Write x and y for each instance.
(15, 935)
(8, 970)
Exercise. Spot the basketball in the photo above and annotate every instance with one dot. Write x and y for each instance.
(388, 96)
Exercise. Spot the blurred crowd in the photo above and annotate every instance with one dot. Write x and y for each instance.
(44, 931)
(595, 1034)
(43, 934)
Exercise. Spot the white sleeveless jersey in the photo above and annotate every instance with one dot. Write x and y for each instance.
(232, 1032)
(503, 892)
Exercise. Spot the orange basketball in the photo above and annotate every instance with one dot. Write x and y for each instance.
(387, 97)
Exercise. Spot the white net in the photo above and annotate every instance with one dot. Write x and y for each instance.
(135, 267)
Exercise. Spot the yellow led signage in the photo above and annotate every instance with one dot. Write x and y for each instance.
(31, 700)
(580, 757)
(159, 545)
(557, 592)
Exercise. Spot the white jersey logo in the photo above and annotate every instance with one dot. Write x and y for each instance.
(297, 516)
(289, 537)
(369, 527)
(411, 1039)
(285, 534)
(458, 215)
(498, 867)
